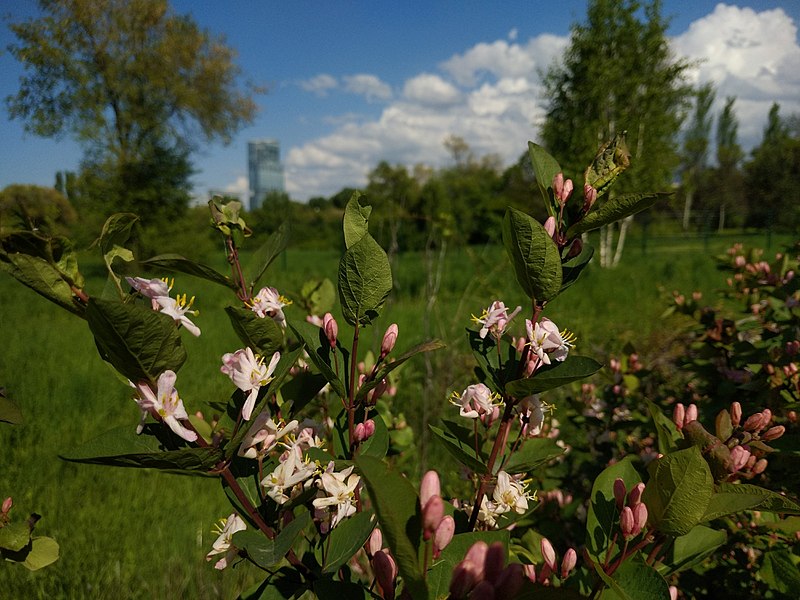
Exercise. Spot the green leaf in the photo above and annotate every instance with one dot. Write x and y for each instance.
(634, 580)
(666, 432)
(267, 553)
(15, 536)
(156, 448)
(678, 491)
(534, 453)
(262, 258)
(302, 389)
(616, 209)
(549, 377)
(573, 267)
(460, 447)
(115, 234)
(43, 552)
(545, 167)
(602, 516)
(485, 352)
(318, 296)
(691, 549)
(310, 335)
(387, 367)
(732, 498)
(9, 412)
(533, 254)
(42, 278)
(397, 506)
(441, 573)
(378, 444)
(356, 220)
(177, 263)
(263, 335)
(610, 161)
(779, 572)
(139, 342)
(365, 280)
(327, 588)
(346, 539)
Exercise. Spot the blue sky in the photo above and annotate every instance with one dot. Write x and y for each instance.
(352, 83)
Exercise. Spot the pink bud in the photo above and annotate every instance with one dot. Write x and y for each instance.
(465, 575)
(477, 555)
(550, 226)
(495, 561)
(691, 414)
(627, 522)
(639, 517)
(739, 456)
(619, 492)
(673, 593)
(530, 572)
(330, 328)
(679, 415)
(589, 197)
(510, 582)
(375, 541)
(444, 534)
(483, 591)
(389, 339)
(429, 487)
(432, 515)
(358, 433)
(568, 562)
(635, 497)
(736, 414)
(567, 191)
(369, 428)
(773, 433)
(558, 184)
(766, 417)
(385, 572)
(760, 466)
(7, 503)
(753, 423)
(548, 554)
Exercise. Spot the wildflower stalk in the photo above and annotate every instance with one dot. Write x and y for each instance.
(236, 267)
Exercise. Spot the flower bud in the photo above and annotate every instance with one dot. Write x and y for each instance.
(567, 192)
(773, 433)
(550, 226)
(619, 492)
(766, 417)
(358, 433)
(673, 593)
(739, 457)
(589, 197)
(509, 584)
(627, 522)
(369, 428)
(375, 542)
(7, 503)
(495, 562)
(753, 423)
(465, 576)
(678, 415)
(389, 340)
(429, 487)
(635, 497)
(385, 572)
(444, 534)
(330, 328)
(736, 414)
(477, 555)
(432, 515)
(530, 572)
(568, 562)
(691, 414)
(548, 554)
(759, 467)
(483, 591)
(558, 184)
(639, 518)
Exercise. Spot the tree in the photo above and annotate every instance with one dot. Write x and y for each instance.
(729, 155)
(33, 207)
(132, 82)
(695, 148)
(618, 74)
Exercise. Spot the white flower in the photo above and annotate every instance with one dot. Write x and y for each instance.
(531, 414)
(149, 288)
(248, 373)
(475, 401)
(222, 544)
(510, 495)
(177, 308)
(291, 470)
(341, 489)
(264, 435)
(269, 303)
(547, 342)
(165, 403)
(495, 319)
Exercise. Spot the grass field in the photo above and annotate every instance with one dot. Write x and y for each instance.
(135, 534)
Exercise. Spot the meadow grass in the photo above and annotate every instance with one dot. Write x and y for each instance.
(126, 533)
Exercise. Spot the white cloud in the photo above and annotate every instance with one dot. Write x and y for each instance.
(320, 85)
(239, 187)
(513, 34)
(369, 86)
(432, 90)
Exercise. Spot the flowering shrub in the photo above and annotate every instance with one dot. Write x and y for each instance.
(301, 444)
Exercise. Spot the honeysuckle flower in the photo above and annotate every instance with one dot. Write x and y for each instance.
(222, 545)
(264, 434)
(495, 319)
(389, 340)
(340, 488)
(249, 374)
(149, 288)
(475, 401)
(164, 404)
(531, 414)
(547, 342)
(291, 470)
(510, 494)
(177, 308)
(269, 303)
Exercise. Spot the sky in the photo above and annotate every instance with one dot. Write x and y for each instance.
(349, 83)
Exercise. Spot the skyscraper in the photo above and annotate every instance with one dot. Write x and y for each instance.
(265, 170)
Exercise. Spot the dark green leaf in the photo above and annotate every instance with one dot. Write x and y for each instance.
(267, 553)
(327, 588)
(318, 296)
(485, 352)
(610, 161)
(545, 167)
(678, 491)
(634, 580)
(42, 278)
(616, 209)
(346, 539)
(356, 220)
(310, 335)
(666, 432)
(691, 549)
(732, 498)
(139, 342)
(462, 450)
(549, 377)
(116, 231)
(441, 573)
(602, 517)
(266, 254)
(43, 552)
(779, 571)
(365, 280)
(573, 267)
(534, 453)
(388, 367)
(533, 254)
(302, 389)
(263, 335)
(176, 262)
(397, 506)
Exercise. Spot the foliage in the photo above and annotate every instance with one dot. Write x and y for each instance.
(34, 207)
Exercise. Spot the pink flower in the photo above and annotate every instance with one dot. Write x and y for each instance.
(269, 303)
(475, 401)
(222, 545)
(495, 319)
(389, 340)
(149, 288)
(164, 404)
(547, 342)
(177, 308)
(248, 373)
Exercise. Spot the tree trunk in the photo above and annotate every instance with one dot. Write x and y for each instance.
(687, 209)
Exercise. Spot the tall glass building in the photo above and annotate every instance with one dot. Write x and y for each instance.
(265, 170)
